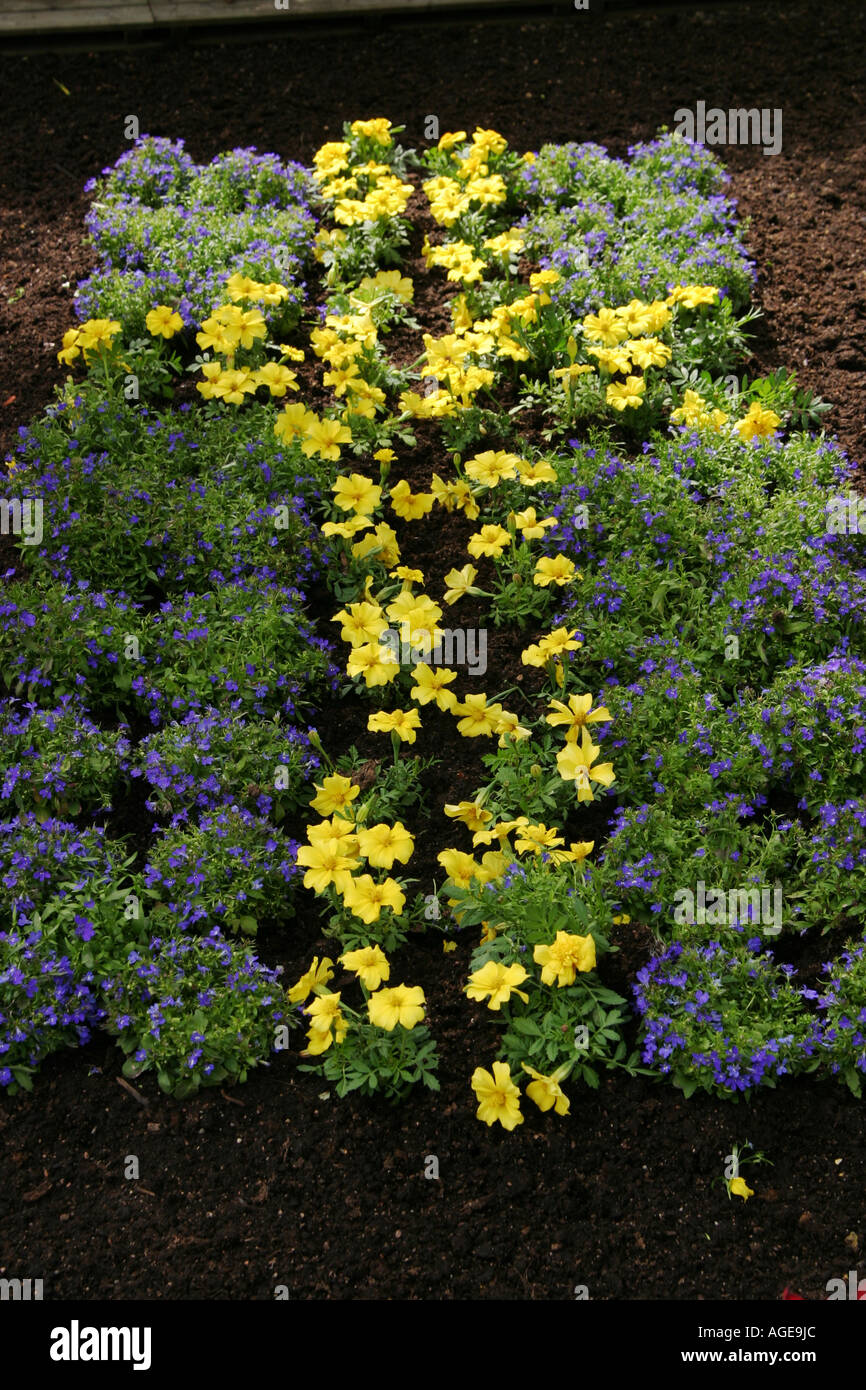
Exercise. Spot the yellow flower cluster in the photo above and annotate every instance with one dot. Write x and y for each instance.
(90, 337)
(499, 1098)
(337, 846)
(560, 961)
(623, 340)
(228, 330)
(577, 762)
(472, 182)
(348, 345)
(550, 647)
(458, 258)
(694, 413)
(379, 192)
(386, 1008)
(758, 423)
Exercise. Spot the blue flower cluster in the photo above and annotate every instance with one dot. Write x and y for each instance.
(169, 585)
(615, 229)
(691, 999)
(169, 231)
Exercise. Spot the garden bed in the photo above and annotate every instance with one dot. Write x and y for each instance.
(317, 1164)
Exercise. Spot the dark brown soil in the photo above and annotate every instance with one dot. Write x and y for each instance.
(279, 1182)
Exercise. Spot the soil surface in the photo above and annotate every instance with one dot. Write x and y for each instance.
(278, 1182)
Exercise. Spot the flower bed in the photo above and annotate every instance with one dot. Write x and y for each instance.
(685, 749)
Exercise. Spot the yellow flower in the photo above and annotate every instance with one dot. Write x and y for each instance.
(328, 1024)
(347, 529)
(499, 982)
(546, 1092)
(693, 295)
(498, 1097)
(571, 373)
(401, 722)
(251, 327)
(326, 866)
(335, 794)
(417, 616)
(70, 350)
(739, 1188)
(471, 813)
(530, 526)
(611, 359)
(292, 421)
(490, 540)
(538, 472)
(575, 763)
(377, 130)
(605, 328)
(212, 371)
(408, 575)
(537, 838)
(462, 498)
(278, 379)
(362, 623)
(241, 286)
(491, 468)
(649, 352)
(369, 963)
(380, 545)
(758, 424)
(324, 437)
(233, 385)
(557, 569)
(375, 663)
(477, 717)
(430, 685)
(341, 378)
(96, 331)
(409, 505)
(510, 727)
(391, 280)
(563, 957)
(319, 973)
(381, 844)
(627, 394)
(460, 868)
(691, 411)
(554, 644)
(163, 321)
(335, 828)
(460, 583)
(576, 714)
(366, 898)
(404, 1004)
(575, 854)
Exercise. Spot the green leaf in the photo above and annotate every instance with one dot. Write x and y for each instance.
(526, 1027)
